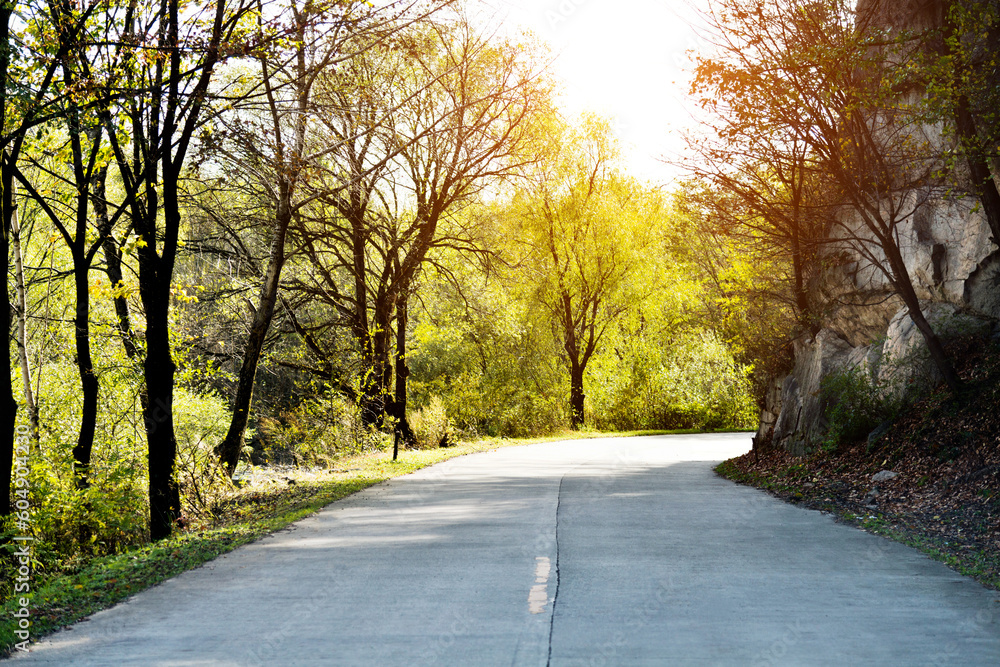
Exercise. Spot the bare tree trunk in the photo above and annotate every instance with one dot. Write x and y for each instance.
(179, 108)
(359, 271)
(158, 369)
(904, 287)
(82, 259)
(230, 448)
(8, 413)
(804, 312)
(22, 329)
(403, 432)
(88, 380)
(576, 395)
(113, 258)
(577, 360)
(8, 406)
(377, 370)
(371, 399)
(984, 187)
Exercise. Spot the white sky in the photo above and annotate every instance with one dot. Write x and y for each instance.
(626, 59)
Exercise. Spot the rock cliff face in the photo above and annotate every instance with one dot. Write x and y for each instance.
(955, 267)
(956, 270)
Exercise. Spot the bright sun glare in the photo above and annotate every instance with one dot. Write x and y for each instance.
(626, 59)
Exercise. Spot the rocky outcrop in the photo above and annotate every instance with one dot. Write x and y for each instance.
(956, 270)
(801, 421)
(901, 13)
(950, 256)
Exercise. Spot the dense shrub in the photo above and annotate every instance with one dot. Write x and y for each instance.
(200, 423)
(430, 424)
(694, 384)
(110, 514)
(632, 383)
(481, 405)
(856, 401)
(318, 431)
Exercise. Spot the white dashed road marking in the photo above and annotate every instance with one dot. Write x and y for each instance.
(539, 595)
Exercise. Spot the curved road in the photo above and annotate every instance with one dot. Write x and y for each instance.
(587, 552)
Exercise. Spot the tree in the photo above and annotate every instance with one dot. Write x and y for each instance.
(9, 407)
(747, 281)
(479, 124)
(25, 103)
(585, 225)
(84, 152)
(168, 88)
(323, 38)
(21, 337)
(956, 78)
(763, 190)
(429, 122)
(480, 343)
(305, 88)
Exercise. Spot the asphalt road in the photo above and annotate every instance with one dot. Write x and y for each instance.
(588, 552)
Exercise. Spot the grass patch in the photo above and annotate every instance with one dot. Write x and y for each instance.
(782, 482)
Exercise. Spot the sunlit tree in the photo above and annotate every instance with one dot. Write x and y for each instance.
(286, 166)
(151, 130)
(432, 120)
(587, 226)
(34, 50)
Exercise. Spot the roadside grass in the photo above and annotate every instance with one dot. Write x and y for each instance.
(254, 511)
